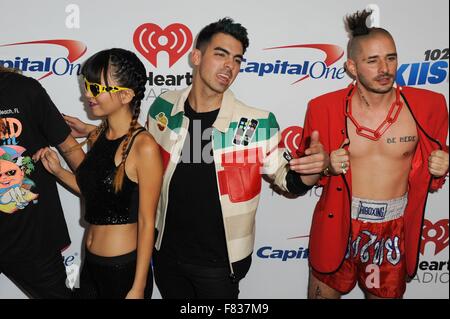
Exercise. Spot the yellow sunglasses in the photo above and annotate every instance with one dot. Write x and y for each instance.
(96, 89)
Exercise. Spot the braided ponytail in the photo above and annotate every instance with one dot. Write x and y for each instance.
(120, 171)
(129, 71)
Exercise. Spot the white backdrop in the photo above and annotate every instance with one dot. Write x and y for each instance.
(419, 27)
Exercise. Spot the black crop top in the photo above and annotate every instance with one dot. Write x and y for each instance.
(95, 177)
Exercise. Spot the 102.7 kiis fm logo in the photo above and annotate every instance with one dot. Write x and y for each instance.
(175, 40)
(432, 70)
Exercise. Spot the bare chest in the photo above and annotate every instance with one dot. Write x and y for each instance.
(398, 142)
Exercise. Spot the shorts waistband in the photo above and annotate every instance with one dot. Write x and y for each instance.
(378, 211)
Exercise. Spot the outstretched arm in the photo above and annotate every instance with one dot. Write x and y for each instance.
(310, 166)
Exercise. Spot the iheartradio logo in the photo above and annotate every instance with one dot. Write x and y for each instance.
(291, 138)
(149, 39)
(435, 233)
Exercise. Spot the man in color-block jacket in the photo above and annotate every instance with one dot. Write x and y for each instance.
(215, 150)
(388, 150)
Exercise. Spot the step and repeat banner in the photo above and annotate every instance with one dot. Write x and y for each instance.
(297, 52)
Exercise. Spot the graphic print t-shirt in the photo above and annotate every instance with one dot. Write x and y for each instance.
(31, 216)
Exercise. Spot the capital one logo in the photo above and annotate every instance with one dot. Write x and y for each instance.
(435, 233)
(50, 65)
(149, 39)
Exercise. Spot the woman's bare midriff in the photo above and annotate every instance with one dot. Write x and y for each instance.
(111, 240)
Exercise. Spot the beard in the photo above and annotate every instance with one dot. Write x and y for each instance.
(370, 85)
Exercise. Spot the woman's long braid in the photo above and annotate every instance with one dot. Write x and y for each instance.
(129, 72)
(120, 172)
(96, 133)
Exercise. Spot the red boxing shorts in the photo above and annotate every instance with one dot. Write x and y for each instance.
(375, 254)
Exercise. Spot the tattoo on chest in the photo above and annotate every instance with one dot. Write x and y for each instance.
(406, 139)
(391, 140)
(402, 139)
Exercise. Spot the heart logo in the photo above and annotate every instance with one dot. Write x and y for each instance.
(435, 233)
(149, 39)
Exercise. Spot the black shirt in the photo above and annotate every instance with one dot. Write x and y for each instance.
(194, 229)
(95, 177)
(31, 216)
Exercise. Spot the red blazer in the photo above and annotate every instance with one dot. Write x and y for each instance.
(331, 222)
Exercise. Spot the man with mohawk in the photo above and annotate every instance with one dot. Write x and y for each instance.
(388, 151)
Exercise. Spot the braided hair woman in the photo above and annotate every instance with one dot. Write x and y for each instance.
(120, 180)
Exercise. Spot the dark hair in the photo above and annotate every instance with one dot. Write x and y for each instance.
(356, 24)
(10, 70)
(226, 26)
(128, 71)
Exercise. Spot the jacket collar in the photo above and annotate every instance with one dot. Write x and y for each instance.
(225, 115)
